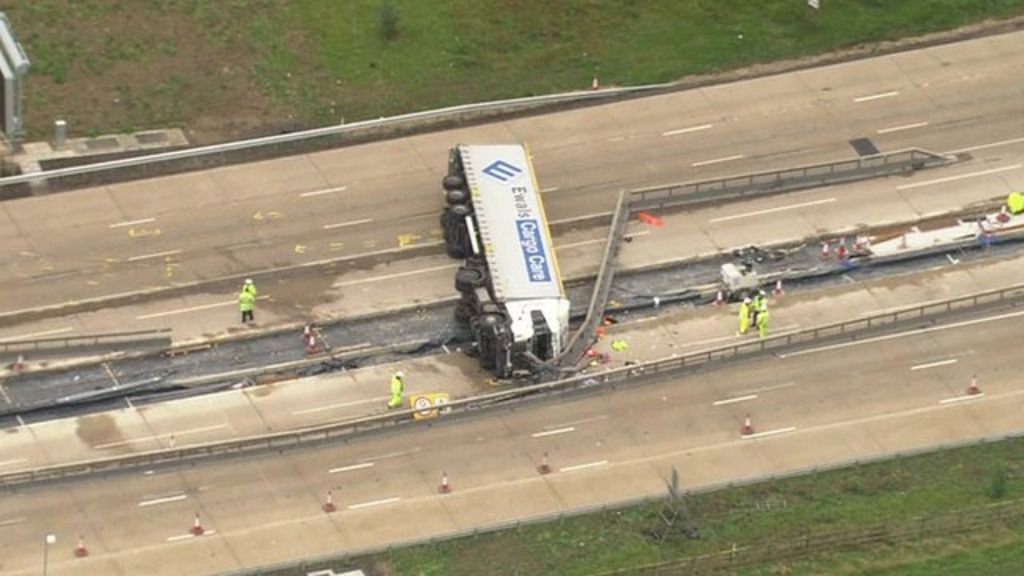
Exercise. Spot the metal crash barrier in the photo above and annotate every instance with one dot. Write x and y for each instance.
(843, 331)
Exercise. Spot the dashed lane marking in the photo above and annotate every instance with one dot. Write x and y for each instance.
(959, 177)
(335, 406)
(322, 192)
(988, 145)
(193, 309)
(717, 160)
(133, 223)
(375, 503)
(879, 96)
(36, 334)
(902, 128)
(160, 436)
(351, 468)
(565, 430)
(769, 433)
(164, 500)
(904, 334)
(934, 364)
(189, 536)
(773, 210)
(688, 130)
(585, 466)
(962, 398)
(155, 255)
(734, 400)
(347, 224)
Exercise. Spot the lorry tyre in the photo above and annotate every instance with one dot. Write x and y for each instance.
(452, 182)
(468, 279)
(463, 312)
(456, 196)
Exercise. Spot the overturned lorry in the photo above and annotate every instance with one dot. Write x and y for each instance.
(511, 293)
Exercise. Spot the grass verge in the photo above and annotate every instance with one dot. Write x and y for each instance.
(230, 68)
(778, 511)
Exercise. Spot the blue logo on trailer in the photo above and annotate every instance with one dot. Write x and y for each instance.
(502, 171)
(534, 254)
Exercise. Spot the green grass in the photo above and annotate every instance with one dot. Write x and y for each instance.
(775, 511)
(226, 68)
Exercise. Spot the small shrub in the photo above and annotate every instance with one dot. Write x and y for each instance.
(388, 15)
(997, 487)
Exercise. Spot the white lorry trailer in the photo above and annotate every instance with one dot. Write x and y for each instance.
(511, 289)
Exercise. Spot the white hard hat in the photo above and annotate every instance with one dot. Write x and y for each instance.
(761, 293)
(248, 280)
(746, 300)
(399, 374)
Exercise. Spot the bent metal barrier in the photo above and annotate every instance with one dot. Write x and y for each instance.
(787, 180)
(843, 331)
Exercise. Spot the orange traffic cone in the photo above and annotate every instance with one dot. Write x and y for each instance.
(973, 388)
(444, 488)
(594, 85)
(748, 427)
(81, 551)
(544, 468)
(824, 250)
(778, 288)
(329, 506)
(841, 252)
(719, 298)
(18, 364)
(197, 528)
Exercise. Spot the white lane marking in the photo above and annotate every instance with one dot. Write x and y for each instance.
(326, 407)
(717, 160)
(904, 334)
(374, 503)
(770, 432)
(165, 500)
(934, 364)
(962, 398)
(550, 189)
(958, 177)
(396, 275)
(688, 130)
(391, 455)
(903, 127)
(12, 462)
(322, 192)
(986, 146)
(154, 255)
(181, 537)
(351, 468)
(584, 466)
(578, 422)
(347, 224)
(133, 223)
(565, 430)
(192, 309)
(877, 96)
(772, 210)
(769, 388)
(616, 139)
(599, 240)
(36, 334)
(12, 522)
(734, 400)
(579, 218)
(160, 436)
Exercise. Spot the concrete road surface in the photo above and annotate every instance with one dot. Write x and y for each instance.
(383, 198)
(816, 407)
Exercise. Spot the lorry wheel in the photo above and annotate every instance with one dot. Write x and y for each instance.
(456, 196)
(468, 279)
(452, 182)
(463, 313)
